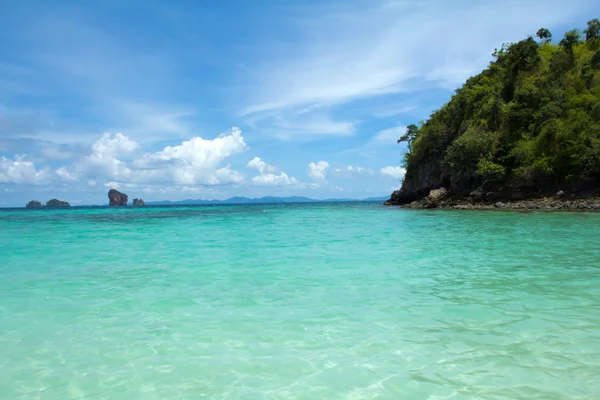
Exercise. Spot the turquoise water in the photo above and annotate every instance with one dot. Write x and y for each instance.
(321, 301)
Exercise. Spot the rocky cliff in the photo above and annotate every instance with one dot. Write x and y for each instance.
(527, 127)
(116, 198)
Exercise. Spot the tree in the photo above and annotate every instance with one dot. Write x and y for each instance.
(570, 40)
(408, 137)
(595, 62)
(593, 30)
(544, 34)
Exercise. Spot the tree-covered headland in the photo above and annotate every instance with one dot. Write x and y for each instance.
(527, 125)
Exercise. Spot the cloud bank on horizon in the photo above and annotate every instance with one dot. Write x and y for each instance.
(310, 97)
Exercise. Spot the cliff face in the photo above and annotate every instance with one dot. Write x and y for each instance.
(138, 202)
(526, 127)
(116, 198)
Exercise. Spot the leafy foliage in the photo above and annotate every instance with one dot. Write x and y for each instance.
(544, 34)
(532, 116)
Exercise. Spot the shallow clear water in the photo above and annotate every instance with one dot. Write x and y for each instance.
(321, 301)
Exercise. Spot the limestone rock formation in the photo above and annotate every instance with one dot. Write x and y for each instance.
(116, 198)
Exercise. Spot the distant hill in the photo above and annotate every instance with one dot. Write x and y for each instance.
(260, 200)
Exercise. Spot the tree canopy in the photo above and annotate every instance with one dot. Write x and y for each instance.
(531, 118)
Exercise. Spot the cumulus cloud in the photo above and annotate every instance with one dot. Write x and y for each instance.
(281, 179)
(270, 175)
(103, 161)
(261, 166)
(318, 171)
(196, 161)
(20, 171)
(394, 172)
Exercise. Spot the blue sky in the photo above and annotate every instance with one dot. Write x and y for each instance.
(206, 99)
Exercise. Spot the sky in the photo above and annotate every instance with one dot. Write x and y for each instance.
(171, 100)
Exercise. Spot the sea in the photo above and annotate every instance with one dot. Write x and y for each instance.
(298, 301)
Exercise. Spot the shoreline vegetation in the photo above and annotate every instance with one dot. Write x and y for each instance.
(523, 134)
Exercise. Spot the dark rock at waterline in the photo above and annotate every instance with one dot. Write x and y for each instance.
(57, 203)
(138, 202)
(33, 204)
(116, 198)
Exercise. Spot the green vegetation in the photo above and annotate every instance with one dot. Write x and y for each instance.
(530, 120)
(57, 203)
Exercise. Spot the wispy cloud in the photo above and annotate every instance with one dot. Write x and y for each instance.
(390, 135)
(393, 171)
(349, 52)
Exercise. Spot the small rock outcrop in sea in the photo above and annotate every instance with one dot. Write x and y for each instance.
(138, 202)
(33, 204)
(116, 198)
(57, 203)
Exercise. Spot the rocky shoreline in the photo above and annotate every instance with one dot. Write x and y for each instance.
(440, 199)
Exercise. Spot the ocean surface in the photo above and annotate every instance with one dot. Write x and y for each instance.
(307, 301)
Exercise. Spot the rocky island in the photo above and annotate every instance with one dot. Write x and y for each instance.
(138, 202)
(116, 198)
(523, 134)
(57, 203)
(49, 203)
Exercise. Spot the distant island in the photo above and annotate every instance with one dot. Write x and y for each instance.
(116, 198)
(260, 200)
(524, 133)
(49, 203)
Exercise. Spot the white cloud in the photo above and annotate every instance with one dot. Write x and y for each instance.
(351, 170)
(113, 146)
(269, 176)
(20, 171)
(281, 179)
(300, 124)
(349, 51)
(394, 172)
(390, 135)
(261, 166)
(67, 175)
(392, 110)
(318, 171)
(196, 161)
(103, 159)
